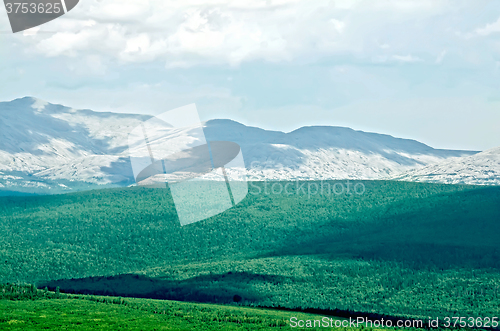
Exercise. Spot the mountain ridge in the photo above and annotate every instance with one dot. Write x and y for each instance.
(50, 146)
(482, 168)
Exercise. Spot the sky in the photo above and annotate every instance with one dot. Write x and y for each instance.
(427, 70)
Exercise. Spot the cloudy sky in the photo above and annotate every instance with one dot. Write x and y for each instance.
(421, 69)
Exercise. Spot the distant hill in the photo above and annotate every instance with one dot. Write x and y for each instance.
(481, 169)
(52, 148)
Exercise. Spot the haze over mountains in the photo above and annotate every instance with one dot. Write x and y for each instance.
(48, 148)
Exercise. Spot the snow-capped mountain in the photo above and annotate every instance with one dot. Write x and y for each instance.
(322, 152)
(45, 146)
(479, 169)
(36, 136)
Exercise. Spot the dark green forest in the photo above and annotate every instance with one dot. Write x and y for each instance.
(402, 249)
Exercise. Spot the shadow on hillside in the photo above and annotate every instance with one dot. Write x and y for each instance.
(120, 171)
(457, 233)
(214, 288)
(35, 128)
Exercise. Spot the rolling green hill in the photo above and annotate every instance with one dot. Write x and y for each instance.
(403, 249)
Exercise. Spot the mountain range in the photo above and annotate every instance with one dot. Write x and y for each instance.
(478, 169)
(48, 148)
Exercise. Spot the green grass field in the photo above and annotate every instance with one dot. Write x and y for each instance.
(401, 249)
(29, 309)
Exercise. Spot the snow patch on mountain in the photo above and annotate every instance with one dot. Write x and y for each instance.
(53, 147)
(479, 169)
(322, 153)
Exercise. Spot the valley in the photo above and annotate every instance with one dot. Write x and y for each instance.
(405, 249)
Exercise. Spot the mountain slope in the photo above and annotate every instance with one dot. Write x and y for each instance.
(36, 136)
(320, 152)
(45, 146)
(40, 135)
(481, 169)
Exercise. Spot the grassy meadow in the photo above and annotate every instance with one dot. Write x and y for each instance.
(26, 308)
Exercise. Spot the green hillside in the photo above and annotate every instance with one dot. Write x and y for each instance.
(403, 249)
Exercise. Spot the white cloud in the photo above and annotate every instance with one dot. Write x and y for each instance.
(231, 32)
(489, 29)
(31, 32)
